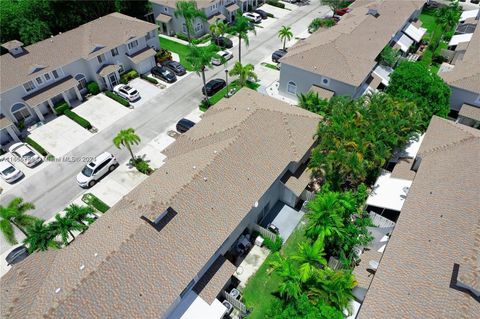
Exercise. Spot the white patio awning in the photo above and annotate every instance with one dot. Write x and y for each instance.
(194, 307)
(383, 72)
(459, 38)
(404, 42)
(415, 33)
(469, 14)
(389, 192)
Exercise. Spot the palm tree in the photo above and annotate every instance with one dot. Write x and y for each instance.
(79, 213)
(290, 286)
(448, 16)
(310, 257)
(14, 214)
(325, 216)
(40, 237)
(127, 138)
(312, 102)
(241, 27)
(189, 11)
(64, 226)
(285, 33)
(244, 73)
(218, 28)
(201, 58)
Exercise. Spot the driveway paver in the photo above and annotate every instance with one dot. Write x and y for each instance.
(101, 111)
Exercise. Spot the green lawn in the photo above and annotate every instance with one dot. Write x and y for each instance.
(428, 20)
(270, 66)
(214, 99)
(260, 292)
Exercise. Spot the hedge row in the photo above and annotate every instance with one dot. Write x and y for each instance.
(117, 98)
(127, 76)
(61, 107)
(78, 119)
(275, 3)
(149, 79)
(36, 146)
(93, 88)
(95, 202)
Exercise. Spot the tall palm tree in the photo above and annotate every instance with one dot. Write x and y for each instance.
(285, 33)
(218, 28)
(189, 11)
(14, 214)
(290, 286)
(324, 216)
(79, 213)
(201, 58)
(64, 226)
(244, 73)
(241, 27)
(40, 236)
(310, 257)
(127, 138)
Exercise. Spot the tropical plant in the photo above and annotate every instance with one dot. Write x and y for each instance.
(244, 73)
(240, 28)
(127, 138)
(389, 56)
(218, 28)
(290, 286)
(189, 12)
(310, 257)
(273, 245)
(14, 214)
(40, 236)
(312, 102)
(285, 33)
(325, 216)
(64, 226)
(81, 214)
(201, 58)
(303, 308)
(447, 16)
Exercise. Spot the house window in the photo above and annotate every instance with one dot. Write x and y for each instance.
(120, 68)
(20, 112)
(101, 58)
(82, 82)
(132, 44)
(55, 74)
(29, 86)
(292, 87)
(47, 77)
(39, 80)
(114, 51)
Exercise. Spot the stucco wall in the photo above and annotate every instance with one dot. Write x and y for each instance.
(459, 97)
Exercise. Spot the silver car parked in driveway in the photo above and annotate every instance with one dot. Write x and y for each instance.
(25, 154)
(9, 172)
(96, 169)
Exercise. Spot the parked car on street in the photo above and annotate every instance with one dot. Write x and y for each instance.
(9, 172)
(223, 42)
(184, 125)
(127, 92)
(262, 13)
(252, 16)
(277, 55)
(164, 74)
(16, 255)
(213, 86)
(175, 67)
(96, 169)
(25, 154)
(223, 56)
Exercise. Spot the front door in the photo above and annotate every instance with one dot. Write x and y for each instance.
(112, 77)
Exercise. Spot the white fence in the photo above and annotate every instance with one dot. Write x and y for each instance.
(235, 302)
(264, 232)
(381, 221)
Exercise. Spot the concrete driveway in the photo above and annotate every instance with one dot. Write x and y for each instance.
(102, 111)
(27, 171)
(60, 136)
(146, 89)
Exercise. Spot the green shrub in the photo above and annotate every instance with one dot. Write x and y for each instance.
(78, 119)
(182, 36)
(94, 202)
(202, 39)
(273, 245)
(21, 125)
(36, 146)
(117, 98)
(163, 55)
(92, 88)
(205, 104)
(142, 166)
(149, 79)
(270, 15)
(127, 76)
(61, 107)
(275, 3)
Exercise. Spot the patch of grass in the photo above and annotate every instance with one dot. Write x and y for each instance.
(270, 66)
(261, 289)
(178, 48)
(428, 20)
(95, 202)
(234, 84)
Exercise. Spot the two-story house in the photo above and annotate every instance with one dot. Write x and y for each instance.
(224, 10)
(37, 76)
(340, 60)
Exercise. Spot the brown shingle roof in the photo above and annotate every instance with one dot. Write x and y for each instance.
(470, 111)
(131, 269)
(142, 55)
(105, 33)
(466, 73)
(347, 51)
(211, 284)
(439, 225)
(12, 44)
(5, 122)
(50, 91)
(322, 92)
(403, 170)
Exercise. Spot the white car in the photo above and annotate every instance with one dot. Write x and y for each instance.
(223, 56)
(9, 172)
(25, 154)
(95, 170)
(252, 16)
(127, 92)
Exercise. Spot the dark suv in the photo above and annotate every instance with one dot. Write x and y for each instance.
(223, 42)
(184, 125)
(213, 86)
(163, 73)
(277, 55)
(175, 67)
